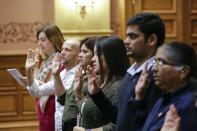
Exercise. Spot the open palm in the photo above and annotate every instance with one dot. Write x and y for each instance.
(78, 79)
(30, 61)
(92, 82)
(56, 65)
(78, 82)
(172, 120)
(142, 84)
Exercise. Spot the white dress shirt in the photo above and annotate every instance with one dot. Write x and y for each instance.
(133, 70)
(38, 90)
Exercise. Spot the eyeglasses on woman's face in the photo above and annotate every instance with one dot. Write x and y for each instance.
(162, 62)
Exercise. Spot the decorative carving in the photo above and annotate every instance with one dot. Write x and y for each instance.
(14, 32)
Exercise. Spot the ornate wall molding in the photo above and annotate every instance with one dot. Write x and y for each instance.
(14, 32)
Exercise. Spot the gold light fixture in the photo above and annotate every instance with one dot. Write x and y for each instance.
(83, 4)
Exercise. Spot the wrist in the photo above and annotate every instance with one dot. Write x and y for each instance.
(78, 99)
(56, 75)
(138, 97)
(29, 83)
(95, 91)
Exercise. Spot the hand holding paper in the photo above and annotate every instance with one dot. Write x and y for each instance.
(17, 76)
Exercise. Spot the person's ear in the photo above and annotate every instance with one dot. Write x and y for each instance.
(152, 40)
(184, 72)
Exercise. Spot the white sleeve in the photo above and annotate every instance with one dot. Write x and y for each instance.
(38, 90)
(68, 79)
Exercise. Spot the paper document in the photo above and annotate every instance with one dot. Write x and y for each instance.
(17, 76)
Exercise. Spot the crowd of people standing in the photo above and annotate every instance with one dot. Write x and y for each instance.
(90, 84)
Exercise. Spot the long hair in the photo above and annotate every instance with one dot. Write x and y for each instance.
(114, 52)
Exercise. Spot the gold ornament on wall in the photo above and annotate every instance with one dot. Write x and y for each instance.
(82, 5)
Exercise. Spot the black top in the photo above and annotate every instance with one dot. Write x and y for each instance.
(125, 112)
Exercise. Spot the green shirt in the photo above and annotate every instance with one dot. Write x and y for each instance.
(91, 116)
(68, 100)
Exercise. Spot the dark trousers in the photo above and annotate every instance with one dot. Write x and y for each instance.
(68, 126)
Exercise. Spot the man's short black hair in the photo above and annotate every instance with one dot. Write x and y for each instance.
(149, 23)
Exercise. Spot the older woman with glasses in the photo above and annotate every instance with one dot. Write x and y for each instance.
(174, 71)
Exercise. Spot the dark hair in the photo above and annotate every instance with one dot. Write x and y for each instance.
(114, 52)
(149, 23)
(89, 42)
(180, 53)
(54, 35)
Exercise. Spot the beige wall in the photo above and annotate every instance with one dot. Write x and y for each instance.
(19, 20)
(96, 20)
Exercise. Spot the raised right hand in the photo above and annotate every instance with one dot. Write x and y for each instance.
(30, 61)
(56, 65)
(142, 84)
(172, 120)
(92, 83)
(78, 83)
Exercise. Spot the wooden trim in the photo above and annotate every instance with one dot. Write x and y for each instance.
(18, 124)
(190, 8)
(122, 17)
(86, 32)
(173, 11)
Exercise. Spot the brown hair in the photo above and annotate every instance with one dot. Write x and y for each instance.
(54, 35)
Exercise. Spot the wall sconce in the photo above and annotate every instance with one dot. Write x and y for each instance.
(83, 4)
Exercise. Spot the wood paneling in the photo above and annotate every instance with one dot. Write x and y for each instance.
(193, 5)
(194, 28)
(27, 107)
(15, 103)
(6, 80)
(167, 9)
(8, 104)
(159, 6)
(192, 15)
(19, 126)
(171, 31)
(194, 45)
(180, 17)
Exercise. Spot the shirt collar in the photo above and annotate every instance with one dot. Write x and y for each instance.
(134, 71)
(63, 72)
(74, 68)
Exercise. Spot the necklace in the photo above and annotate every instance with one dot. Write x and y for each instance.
(80, 114)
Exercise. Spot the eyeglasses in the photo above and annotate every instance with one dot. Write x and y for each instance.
(161, 62)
